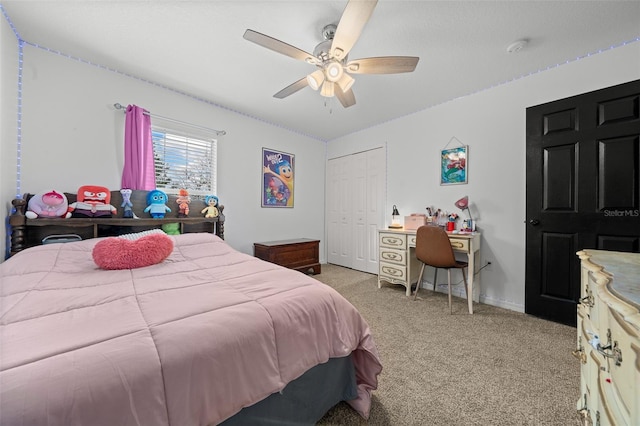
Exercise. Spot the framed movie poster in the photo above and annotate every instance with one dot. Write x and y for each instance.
(277, 178)
(453, 165)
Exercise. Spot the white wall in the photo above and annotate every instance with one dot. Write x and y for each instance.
(8, 128)
(73, 136)
(492, 124)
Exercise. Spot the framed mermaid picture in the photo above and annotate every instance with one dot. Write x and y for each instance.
(453, 165)
(277, 178)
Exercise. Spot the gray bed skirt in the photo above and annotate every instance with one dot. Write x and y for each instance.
(305, 400)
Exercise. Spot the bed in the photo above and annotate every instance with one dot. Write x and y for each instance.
(209, 335)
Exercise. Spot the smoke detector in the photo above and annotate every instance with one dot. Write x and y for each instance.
(517, 46)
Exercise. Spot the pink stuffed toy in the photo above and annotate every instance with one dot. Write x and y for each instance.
(48, 204)
(121, 253)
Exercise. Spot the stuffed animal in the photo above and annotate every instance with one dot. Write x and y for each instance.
(92, 201)
(171, 228)
(212, 206)
(183, 201)
(157, 204)
(127, 205)
(48, 204)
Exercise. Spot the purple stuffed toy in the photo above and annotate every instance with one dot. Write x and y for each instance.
(48, 204)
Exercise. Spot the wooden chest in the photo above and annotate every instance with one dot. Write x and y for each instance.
(301, 254)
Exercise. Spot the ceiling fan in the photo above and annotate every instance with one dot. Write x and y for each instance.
(331, 56)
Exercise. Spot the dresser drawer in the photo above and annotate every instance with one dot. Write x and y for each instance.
(392, 271)
(412, 241)
(393, 255)
(459, 244)
(391, 240)
(626, 376)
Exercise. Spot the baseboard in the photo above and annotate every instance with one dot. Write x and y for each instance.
(458, 291)
(502, 304)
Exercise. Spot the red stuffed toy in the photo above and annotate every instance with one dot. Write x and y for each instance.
(92, 201)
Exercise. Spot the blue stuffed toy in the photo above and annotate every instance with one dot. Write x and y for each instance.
(157, 204)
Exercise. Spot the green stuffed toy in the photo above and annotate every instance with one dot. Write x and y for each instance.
(171, 228)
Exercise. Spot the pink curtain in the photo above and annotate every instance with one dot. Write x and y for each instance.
(139, 170)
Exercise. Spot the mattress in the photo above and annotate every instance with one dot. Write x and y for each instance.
(190, 341)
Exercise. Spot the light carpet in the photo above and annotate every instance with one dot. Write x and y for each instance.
(495, 367)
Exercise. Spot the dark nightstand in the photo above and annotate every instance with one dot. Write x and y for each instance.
(300, 254)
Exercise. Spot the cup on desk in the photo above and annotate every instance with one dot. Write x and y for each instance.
(451, 226)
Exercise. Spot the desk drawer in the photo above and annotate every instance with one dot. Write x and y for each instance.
(398, 241)
(459, 244)
(412, 240)
(392, 271)
(393, 256)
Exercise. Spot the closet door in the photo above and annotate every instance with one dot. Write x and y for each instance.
(375, 189)
(339, 211)
(359, 209)
(355, 199)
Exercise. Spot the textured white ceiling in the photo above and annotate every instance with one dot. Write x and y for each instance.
(197, 47)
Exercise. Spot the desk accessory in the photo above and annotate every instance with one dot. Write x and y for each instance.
(463, 204)
(395, 216)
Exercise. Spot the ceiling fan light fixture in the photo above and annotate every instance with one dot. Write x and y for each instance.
(331, 56)
(315, 79)
(334, 71)
(345, 82)
(328, 89)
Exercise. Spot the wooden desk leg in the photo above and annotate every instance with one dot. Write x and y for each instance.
(471, 273)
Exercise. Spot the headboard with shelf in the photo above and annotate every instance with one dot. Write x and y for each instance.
(27, 232)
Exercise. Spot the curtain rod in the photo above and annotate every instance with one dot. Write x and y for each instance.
(218, 132)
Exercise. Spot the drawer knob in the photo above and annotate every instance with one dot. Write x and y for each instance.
(583, 416)
(391, 271)
(579, 354)
(615, 353)
(456, 244)
(588, 300)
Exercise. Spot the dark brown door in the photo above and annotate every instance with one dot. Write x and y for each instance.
(583, 191)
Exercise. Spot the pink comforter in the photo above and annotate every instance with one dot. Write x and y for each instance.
(190, 341)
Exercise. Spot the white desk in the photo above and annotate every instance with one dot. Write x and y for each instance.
(398, 264)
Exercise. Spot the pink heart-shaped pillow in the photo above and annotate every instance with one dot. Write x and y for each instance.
(120, 253)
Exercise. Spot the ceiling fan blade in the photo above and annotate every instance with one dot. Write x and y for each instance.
(346, 98)
(354, 18)
(292, 88)
(382, 65)
(279, 46)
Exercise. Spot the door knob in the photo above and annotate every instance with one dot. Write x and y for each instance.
(534, 222)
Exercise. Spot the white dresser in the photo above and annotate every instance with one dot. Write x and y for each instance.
(398, 263)
(608, 342)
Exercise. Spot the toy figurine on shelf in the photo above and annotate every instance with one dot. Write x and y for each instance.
(48, 204)
(157, 204)
(212, 206)
(171, 228)
(127, 204)
(92, 201)
(183, 201)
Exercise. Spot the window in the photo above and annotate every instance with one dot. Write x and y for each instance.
(184, 161)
